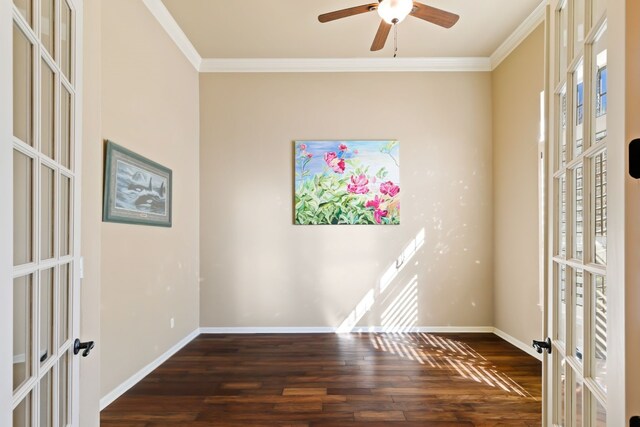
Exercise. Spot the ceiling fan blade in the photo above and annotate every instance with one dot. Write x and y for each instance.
(381, 36)
(434, 15)
(332, 16)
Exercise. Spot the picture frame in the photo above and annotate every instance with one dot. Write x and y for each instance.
(137, 190)
(346, 182)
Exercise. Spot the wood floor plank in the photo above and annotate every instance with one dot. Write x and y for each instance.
(379, 416)
(330, 380)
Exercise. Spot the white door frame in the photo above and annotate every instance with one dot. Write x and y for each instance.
(77, 61)
(6, 213)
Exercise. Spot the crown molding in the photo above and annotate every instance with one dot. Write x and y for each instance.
(338, 65)
(522, 32)
(164, 17)
(341, 65)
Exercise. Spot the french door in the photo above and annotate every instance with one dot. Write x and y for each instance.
(45, 207)
(577, 387)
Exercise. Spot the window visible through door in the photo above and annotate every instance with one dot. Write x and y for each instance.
(579, 218)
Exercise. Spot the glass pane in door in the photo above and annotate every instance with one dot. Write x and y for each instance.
(578, 214)
(47, 195)
(65, 39)
(46, 315)
(563, 41)
(600, 208)
(64, 307)
(25, 7)
(22, 413)
(22, 329)
(578, 24)
(46, 400)
(47, 107)
(63, 390)
(560, 390)
(578, 103)
(65, 216)
(562, 216)
(563, 127)
(598, 7)
(578, 404)
(562, 303)
(599, 331)
(65, 127)
(600, 88)
(22, 86)
(22, 208)
(578, 313)
(47, 24)
(600, 416)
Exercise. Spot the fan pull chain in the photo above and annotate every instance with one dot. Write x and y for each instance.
(395, 40)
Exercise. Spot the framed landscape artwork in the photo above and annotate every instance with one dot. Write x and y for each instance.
(347, 182)
(136, 189)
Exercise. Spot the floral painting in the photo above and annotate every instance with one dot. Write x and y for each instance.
(347, 182)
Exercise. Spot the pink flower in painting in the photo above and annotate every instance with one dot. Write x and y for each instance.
(334, 162)
(303, 147)
(329, 157)
(375, 203)
(358, 184)
(378, 213)
(389, 188)
(343, 147)
(309, 155)
(355, 152)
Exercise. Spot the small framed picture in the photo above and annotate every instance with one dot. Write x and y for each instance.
(136, 190)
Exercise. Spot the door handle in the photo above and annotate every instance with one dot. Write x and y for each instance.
(86, 346)
(634, 422)
(539, 346)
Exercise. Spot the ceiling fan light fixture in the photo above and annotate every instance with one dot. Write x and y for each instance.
(394, 11)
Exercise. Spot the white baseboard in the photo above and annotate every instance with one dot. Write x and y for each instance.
(425, 329)
(331, 330)
(516, 342)
(269, 330)
(134, 379)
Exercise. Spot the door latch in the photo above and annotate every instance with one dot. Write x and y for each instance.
(539, 346)
(86, 346)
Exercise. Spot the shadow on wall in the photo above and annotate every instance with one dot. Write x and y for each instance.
(398, 302)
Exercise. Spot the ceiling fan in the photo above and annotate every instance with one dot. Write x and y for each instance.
(393, 12)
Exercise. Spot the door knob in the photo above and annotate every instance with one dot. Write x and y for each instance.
(539, 346)
(86, 346)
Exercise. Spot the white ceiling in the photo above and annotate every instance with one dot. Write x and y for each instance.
(290, 29)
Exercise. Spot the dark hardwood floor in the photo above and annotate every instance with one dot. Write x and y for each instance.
(326, 380)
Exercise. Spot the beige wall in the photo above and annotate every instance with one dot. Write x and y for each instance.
(516, 87)
(148, 274)
(258, 269)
